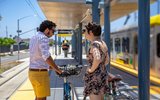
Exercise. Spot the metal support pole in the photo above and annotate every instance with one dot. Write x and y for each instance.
(59, 45)
(113, 44)
(107, 28)
(80, 43)
(55, 44)
(0, 17)
(18, 31)
(0, 55)
(158, 6)
(86, 46)
(73, 43)
(6, 32)
(76, 46)
(144, 49)
(121, 50)
(95, 11)
(0, 45)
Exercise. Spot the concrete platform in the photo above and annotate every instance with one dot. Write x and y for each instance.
(25, 92)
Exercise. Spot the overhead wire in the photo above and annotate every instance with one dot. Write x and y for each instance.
(33, 8)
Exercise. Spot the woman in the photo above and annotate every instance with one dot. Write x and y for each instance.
(96, 74)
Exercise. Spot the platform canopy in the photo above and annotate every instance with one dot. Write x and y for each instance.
(68, 13)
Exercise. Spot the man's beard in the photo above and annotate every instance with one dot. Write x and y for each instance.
(48, 35)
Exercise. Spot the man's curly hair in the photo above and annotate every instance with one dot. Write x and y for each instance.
(46, 24)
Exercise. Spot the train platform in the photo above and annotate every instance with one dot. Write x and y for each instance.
(25, 91)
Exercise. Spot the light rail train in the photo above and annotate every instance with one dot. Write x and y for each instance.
(124, 46)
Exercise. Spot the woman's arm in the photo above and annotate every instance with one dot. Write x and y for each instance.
(96, 59)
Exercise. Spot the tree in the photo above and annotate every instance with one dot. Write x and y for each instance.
(51, 43)
(5, 42)
(8, 41)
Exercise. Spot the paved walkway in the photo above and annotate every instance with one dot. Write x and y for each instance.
(25, 92)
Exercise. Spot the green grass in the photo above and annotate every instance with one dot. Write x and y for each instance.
(6, 66)
(4, 69)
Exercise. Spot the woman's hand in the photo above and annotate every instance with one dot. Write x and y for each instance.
(89, 70)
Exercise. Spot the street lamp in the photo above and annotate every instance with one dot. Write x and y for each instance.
(0, 44)
(19, 31)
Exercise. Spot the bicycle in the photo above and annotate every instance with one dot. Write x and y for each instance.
(69, 70)
(119, 90)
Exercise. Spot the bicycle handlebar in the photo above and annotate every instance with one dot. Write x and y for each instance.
(69, 70)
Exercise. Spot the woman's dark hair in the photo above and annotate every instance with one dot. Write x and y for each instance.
(95, 28)
(46, 24)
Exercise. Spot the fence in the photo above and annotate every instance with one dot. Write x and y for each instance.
(4, 49)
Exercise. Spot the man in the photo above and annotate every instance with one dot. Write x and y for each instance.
(41, 60)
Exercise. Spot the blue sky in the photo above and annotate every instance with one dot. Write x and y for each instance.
(11, 10)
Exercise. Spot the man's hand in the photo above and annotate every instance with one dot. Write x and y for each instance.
(52, 65)
(64, 74)
(59, 72)
(50, 68)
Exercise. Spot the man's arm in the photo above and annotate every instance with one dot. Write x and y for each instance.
(52, 64)
(44, 47)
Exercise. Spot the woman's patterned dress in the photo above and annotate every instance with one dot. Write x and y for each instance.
(95, 82)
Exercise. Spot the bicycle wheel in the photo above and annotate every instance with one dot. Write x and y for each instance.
(122, 97)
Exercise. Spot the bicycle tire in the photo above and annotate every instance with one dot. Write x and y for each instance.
(122, 96)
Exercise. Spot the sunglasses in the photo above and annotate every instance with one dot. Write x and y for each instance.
(53, 30)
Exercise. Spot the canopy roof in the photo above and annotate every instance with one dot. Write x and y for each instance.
(68, 13)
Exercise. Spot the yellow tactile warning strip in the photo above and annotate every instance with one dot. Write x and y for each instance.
(134, 72)
(25, 92)
(124, 68)
(153, 89)
(156, 89)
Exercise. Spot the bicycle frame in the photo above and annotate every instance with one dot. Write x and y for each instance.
(67, 90)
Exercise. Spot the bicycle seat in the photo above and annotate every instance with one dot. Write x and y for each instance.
(113, 78)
